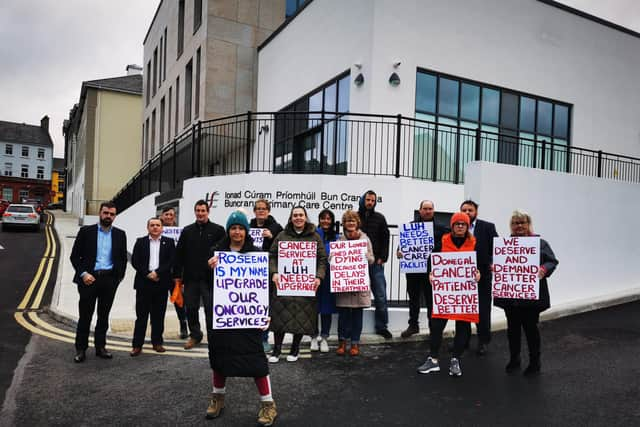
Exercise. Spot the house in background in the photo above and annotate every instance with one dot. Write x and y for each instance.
(102, 142)
(57, 181)
(26, 153)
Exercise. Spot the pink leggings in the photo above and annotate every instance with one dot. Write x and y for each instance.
(263, 383)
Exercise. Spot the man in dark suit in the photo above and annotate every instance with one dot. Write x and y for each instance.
(99, 257)
(152, 258)
(484, 233)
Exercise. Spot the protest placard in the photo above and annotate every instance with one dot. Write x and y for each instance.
(172, 233)
(515, 267)
(241, 290)
(296, 268)
(455, 291)
(349, 266)
(256, 234)
(416, 244)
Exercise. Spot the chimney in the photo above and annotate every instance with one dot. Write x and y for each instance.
(44, 123)
(133, 69)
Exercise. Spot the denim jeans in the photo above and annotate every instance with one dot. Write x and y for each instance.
(379, 289)
(350, 324)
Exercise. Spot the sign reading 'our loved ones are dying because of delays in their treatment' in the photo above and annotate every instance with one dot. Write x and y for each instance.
(349, 266)
(455, 290)
(515, 267)
(241, 290)
(297, 268)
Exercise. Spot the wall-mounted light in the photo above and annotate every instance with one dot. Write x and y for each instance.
(394, 79)
(359, 80)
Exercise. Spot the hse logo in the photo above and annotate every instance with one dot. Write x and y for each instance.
(212, 199)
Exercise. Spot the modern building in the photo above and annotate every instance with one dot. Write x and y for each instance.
(200, 62)
(26, 153)
(57, 181)
(102, 142)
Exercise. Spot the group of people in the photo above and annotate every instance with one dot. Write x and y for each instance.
(99, 258)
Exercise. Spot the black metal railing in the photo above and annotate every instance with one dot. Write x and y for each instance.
(324, 142)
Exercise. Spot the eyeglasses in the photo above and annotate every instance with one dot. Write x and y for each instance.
(260, 209)
(519, 222)
(459, 224)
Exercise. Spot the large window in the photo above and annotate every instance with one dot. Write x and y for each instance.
(8, 150)
(515, 128)
(7, 193)
(161, 129)
(188, 75)
(24, 171)
(196, 107)
(155, 71)
(197, 15)
(311, 139)
(40, 172)
(180, 27)
(25, 151)
(41, 153)
(8, 169)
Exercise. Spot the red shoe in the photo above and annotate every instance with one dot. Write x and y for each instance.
(342, 348)
(355, 350)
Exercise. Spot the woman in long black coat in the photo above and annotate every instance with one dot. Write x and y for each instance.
(238, 352)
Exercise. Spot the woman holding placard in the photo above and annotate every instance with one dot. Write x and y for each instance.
(351, 304)
(238, 352)
(525, 313)
(326, 300)
(295, 314)
(459, 240)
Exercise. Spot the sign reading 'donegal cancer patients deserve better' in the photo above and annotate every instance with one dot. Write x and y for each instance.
(241, 290)
(296, 268)
(256, 235)
(349, 266)
(455, 291)
(515, 267)
(416, 244)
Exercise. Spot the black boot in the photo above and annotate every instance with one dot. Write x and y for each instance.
(534, 366)
(513, 365)
(184, 331)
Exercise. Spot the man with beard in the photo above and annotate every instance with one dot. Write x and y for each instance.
(99, 257)
(484, 232)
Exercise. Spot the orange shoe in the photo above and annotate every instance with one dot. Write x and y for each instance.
(355, 350)
(342, 348)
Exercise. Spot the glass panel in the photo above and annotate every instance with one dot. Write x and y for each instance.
(509, 111)
(315, 104)
(490, 106)
(560, 155)
(467, 151)
(448, 97)
(470, 102)
(341, 148)
(544, 118)
(426, 93)
(423, 140)
(489, 147)
(560, 121)
(343, 94)
(328, 154)
(446, 150)
(527, 114)
(330, 97)
(292, 6)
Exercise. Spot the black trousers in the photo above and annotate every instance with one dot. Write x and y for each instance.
(101, 292)
(151, 301)
(523, 318)
(463, 332)
(418, 287)
(484, 306)
(195, 292)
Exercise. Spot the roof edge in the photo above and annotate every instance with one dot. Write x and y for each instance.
(155, 15)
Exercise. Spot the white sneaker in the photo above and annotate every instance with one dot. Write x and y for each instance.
(324, 346)
(274, 359)
(314, 344)
(292, 358)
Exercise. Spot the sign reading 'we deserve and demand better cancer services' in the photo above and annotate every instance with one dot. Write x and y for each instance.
(515, 267)
(296, 268)
(241, 290)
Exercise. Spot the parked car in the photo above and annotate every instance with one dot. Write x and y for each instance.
(20, 216)
(53, 206)
(3, 205)
(36, 203)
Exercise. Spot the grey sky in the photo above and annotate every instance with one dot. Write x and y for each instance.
(49, 47)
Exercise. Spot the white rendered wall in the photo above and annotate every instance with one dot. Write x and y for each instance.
(134, 219)
(588, 222)
(523, 45)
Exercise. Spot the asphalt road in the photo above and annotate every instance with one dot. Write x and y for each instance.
(590, 377)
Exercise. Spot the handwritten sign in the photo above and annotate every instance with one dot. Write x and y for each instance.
(256, 234)
(349, 266)
(515, 267)
(455, 292)
(241, 290)
(172, 233)
(416, 244)
(296, 268)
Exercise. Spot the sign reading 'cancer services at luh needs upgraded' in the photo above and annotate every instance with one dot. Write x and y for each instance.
(515, 267)
(241, 290)
(349, 266)
(416, 244)
(455, 291)
(296, 268)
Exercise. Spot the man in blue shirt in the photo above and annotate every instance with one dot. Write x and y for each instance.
(99, 257)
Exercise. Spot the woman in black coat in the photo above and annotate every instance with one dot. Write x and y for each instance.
(238, 352)
(524, 314)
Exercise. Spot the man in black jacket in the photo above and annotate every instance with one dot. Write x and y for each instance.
(192, 269)
(152, 258)
(99, 257)
(418, 283)
(374, 224)
(484, 233)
